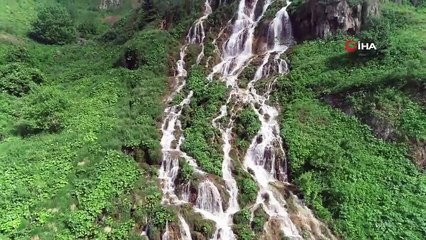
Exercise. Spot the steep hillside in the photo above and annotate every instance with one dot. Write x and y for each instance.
(212, 119)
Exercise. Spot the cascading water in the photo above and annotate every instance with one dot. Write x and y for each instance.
(278, 39)
(166, 234)
(265, 156)
(237, 50)
(197, 33)
(185, 233)
(209, 200)
(170, 163)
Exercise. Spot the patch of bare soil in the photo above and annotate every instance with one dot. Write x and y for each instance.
(11, 39)
(111, 20)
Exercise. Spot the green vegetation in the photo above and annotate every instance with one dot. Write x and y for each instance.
(273, 9)
(376, 30)
(259, 220)
(241, 225)
(53, 25)
(80, 108)
(78, 134)
(247, 125)
(149, 49)
(247, 187)
(187, 171)
(17, 79)
(200, 226)
(246, 76)
(244, 229)
(196, 121)
(364, 187)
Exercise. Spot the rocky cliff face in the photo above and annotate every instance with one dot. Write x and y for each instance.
(108, 4)
(319, 19)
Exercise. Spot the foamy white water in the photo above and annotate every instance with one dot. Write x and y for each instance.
(265, 157)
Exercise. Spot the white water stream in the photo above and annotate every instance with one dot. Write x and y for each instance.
(265, 156)
(170, 163)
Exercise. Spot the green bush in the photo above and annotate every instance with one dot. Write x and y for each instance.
(242, 217)
(247, 125)
(243, 232)
(53, 25)
(187, 172)
(17, 79)
(18, 55)
(201, 138)
(247, 187)
(88, 28)
(149, 49)
(44, 111)
(259, 220)
(377, 31)
(204, 226)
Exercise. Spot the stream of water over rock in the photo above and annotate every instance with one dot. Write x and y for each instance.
(265, 158)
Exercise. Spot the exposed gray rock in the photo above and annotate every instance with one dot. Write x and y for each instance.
(319, 19)
(108, 4)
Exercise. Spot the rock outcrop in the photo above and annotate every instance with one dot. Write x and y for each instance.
(319, 19)
(109, 4)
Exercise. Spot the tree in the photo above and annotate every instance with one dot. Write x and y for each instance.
(53, 25)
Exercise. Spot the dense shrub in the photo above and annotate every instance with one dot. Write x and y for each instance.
(17, 79)
(201, 138)
(88, 28)
(247, 186)
(149, 49)
(247, 125)
(53, 25)
(44, 111)
(376, 30)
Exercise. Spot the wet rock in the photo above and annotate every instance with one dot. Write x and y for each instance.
(197, 236)
(319, 19)
(259, 139)
(265, 196)
(273, 230)
(258, 8)
(249, 170)
(418, 153)
(174, 232)
(280, 166)
(268, 158)
(109, 4)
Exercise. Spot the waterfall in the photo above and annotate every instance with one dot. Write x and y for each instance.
(237, 50)
(265, 156)
(166, 234)
(185, 233)
(278, 39)
(170, 163)
(209, 199)
(197, 33)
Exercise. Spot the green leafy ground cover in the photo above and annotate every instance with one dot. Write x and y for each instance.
(202, 140)
(363, 186)
(66, 114)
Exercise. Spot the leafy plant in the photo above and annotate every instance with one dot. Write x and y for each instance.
(18, 79)
(53, 25)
